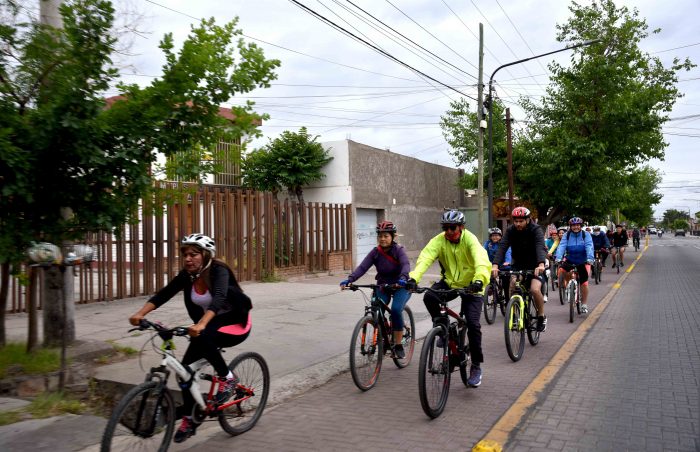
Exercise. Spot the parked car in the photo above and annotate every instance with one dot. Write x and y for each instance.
(652, 230)
(680, 232)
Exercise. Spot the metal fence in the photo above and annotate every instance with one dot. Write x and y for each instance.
(255, 234)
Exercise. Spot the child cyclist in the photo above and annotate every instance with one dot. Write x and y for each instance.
(491, 245)
(391, 262)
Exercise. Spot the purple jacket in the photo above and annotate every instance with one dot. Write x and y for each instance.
(388, 272)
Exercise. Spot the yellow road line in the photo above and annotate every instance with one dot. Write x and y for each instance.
(498, 435)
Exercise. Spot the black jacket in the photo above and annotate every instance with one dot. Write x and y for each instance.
(227, 299)
(527, 247)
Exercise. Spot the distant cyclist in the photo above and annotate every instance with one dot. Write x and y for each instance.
(463, 263)
(618, 242)
(491, 245)
(577, 248)
(392, 264)
(635, 237)
(526, 240)
(601, 244)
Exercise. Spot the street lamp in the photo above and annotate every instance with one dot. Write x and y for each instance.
(490, 106)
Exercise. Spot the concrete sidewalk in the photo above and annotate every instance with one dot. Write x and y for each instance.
(301, 328)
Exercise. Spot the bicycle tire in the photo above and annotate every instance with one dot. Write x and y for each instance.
(409, 338)
(434, 373)
(553, 273)
(533, 336)
(514, 330)
(490, 303)
(366, 356)
(465, 363)
(599, 271)
(571, 297)
(562, 289)
(252, 372)
(156, 400)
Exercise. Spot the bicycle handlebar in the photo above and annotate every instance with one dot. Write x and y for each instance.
(517, 272)
(164, 332)
(438, 292)
(355, 287)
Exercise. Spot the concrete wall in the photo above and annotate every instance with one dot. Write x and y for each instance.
(411, 193)
(335, 187)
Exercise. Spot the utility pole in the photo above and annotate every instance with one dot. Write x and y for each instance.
(509, 149)
(480, 149)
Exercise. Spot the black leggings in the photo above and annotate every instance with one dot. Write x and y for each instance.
(471, 307)
(206, 346)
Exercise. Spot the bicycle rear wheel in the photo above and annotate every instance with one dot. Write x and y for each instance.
(254, 383)
(571, 297)
(434, 373)
(514, 329)
(144, 419)
(366, 352)
(490, 303)
(533, 336)
(409, 338)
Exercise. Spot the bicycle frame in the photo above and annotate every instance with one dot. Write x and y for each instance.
(378, 310)
(189, 378)
(524, 299)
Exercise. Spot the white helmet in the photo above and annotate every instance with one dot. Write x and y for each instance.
(201, 241)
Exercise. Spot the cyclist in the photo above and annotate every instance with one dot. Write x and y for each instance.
(618, 242)
(577, 247)
(463, 262)
(217, 306)
(601, 244)
(391, 262)
(529, 253)
(491, 246)
(635, 237)
(549, 241)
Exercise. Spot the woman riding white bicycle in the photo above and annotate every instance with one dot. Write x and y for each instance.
(219, 310)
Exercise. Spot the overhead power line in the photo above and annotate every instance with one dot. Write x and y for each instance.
(382, 52)
(413, 42)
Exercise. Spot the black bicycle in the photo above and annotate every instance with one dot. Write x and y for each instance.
(635, 241)
(373, 337)
(494, 298)
(521, 317)
(445, 348)
(597, 268)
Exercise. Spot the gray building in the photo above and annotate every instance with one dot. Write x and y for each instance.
(382, 185)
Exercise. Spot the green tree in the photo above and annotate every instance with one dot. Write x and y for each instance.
(679, 223)
(638, 195)
(601, 117)
(460, 127)
(672, 215)
(292, 160)
(62, 150)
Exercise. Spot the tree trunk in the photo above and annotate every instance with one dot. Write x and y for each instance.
(4, 291)
(33, 327)
(58, 317)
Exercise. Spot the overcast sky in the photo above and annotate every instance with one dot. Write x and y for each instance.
(340, 88)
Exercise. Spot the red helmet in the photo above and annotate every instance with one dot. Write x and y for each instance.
(386, 226)
(520, 212)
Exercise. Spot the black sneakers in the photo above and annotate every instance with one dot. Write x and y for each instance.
(541, 323)
(399, 351)
(187, 429)
(226, 388)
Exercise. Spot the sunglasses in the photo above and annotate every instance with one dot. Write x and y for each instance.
(450, 227)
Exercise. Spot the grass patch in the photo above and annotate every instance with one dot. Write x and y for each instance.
(14, 360)
(124, 349)
(271, 278)
(54, 403)
(10, 417)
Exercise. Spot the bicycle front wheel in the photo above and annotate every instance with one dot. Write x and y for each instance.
(434, 373)
(252, 389)
(571, 297)
(562, 289)
(490, 303)
(144, 419)
(533, 335)
(366, 352)
(409, 338)
(465, 358)
(514, 329)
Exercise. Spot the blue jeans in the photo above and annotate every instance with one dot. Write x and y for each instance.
(400, 298)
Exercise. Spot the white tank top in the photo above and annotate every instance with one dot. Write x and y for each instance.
(202, 300)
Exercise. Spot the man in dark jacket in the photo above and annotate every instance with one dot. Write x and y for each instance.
(526, 242)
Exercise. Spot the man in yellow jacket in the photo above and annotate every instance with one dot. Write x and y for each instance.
(463, 262)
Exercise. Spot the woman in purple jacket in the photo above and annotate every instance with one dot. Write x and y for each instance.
(391, 262)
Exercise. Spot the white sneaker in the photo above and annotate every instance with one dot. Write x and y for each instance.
(584, 309)
(545, 298)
